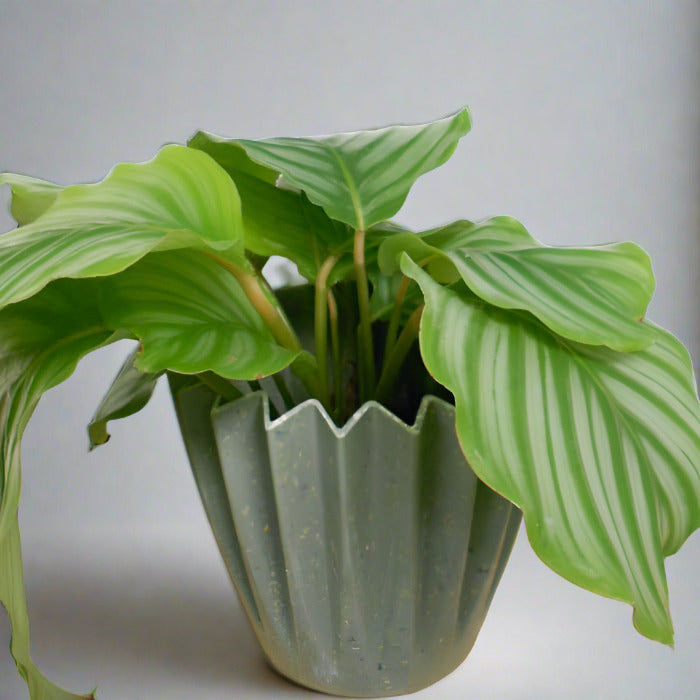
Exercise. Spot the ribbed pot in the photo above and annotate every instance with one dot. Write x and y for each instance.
(365, 557)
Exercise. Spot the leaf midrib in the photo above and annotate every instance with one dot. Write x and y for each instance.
(354, 195)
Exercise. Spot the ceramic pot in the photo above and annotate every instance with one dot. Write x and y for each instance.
(366, 556)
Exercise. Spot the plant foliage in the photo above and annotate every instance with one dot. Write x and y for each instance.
(568, 402)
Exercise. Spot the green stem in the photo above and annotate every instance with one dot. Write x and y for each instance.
(339, 403)
(263, 300)
(368, 374)
(220, 385)
(395, 320)
(305, 367)
(321, 329)
(398, 355)
(284, 391)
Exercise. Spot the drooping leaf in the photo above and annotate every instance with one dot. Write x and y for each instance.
(181, 198)
(600, 449)
(191, 316)
(41, 341)
(359, 178)
(31, 197)
(595, 295)
(130, 391)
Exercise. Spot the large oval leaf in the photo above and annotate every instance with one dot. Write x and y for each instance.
(191, 316)
(596, 295)
(181, 198)
(363, 177)
(600, 449)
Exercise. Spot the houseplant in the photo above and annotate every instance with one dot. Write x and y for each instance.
(568, 403)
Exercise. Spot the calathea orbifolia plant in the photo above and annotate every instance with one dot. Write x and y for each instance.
(568, 402)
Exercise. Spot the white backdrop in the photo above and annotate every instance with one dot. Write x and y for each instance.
(586, 128)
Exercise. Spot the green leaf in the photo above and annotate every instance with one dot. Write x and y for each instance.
(12, 597)
(285, 223)
(279, 221)
(130, 391)
(232, 157)
(359, 178)
(596, 295)
(600, 449)
(181, 198)
(41, 341)
(191, 316)
(31, 197)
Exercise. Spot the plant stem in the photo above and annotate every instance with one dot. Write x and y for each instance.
(220, 385)
(321, 329)
(398, 355)
(367, 371)
(395, 320)
(284, 391)
(338, 407)
(263, 300)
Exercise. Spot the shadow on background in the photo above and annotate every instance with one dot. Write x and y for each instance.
(118, 615)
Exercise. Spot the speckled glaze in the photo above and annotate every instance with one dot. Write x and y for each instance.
(365, 557)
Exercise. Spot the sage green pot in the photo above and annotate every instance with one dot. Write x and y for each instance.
(365, 557)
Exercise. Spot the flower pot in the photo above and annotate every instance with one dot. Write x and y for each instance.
(365, 557)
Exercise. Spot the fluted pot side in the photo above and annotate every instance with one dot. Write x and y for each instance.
(366, 556)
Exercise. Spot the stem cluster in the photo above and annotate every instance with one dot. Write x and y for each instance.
(322, 374)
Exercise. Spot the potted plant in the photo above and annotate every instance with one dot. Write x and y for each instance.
(324, 421)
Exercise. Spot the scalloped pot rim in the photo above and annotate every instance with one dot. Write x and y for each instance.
(271, 425)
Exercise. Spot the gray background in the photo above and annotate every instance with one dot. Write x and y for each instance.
(586, 128)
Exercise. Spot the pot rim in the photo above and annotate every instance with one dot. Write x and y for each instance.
(271, 424)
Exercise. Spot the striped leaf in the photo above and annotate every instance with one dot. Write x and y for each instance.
(601, 450)
(596, 295)
(281, 222)
(359, 178)
(181, 198)
(276, 220)
(191, 316)
(31, 197)
(130, 391)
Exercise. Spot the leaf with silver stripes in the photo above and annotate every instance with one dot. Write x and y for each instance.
(596, 295)
(277, 220)
(363, 177)
(191, 316)
(600, 449)
(180, 199)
